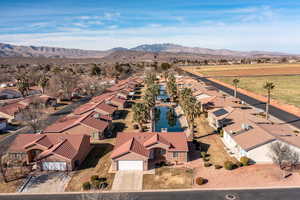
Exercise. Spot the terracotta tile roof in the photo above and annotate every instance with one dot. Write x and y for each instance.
(118, 100)
(63, 145)
(100, 125)
(85, 108)
(132, 145)
(107, 108)
(102, 97)
(12, 108)
(70, 121)
(156, 138)
(176, 141)
(93, 103)
(64, 124)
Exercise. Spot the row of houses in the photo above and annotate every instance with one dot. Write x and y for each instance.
(246, 132)
(64, 144)
(11, 109)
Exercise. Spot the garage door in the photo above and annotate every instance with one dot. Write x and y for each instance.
(54, 166)
(130, 165)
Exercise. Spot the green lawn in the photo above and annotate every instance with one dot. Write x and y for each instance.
(287, 88)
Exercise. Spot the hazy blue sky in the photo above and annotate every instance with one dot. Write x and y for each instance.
(102, 24)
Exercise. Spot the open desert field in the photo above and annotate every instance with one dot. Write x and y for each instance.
(245, 70)
(287, 88)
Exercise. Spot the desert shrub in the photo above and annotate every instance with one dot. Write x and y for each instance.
(103, 185)
(239, 164)
(228, 165)
(102, 179)
(207, 164)
(203, 154)
(86, 186)
(218, 166)
(206, 159)
(94, 177)
(221, 133)
(136, 126)
(96, 184)
(245, 160)
(200, 180)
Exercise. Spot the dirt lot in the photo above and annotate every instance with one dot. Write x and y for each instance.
(97, 163)
(286, 88)
(250, 176)
(168, 178)
(245, 70)
(211, 143)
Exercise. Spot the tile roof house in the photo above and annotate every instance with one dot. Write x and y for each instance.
(11, 110)
(59, 152)
(141, 151)
(246, 134)
(119, 102)
(91, 124)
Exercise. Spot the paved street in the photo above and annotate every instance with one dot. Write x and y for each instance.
(128, 181)
(278, 113)
(261, 194)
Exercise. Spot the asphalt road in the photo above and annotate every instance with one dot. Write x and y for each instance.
(258, 194)
(276, 112)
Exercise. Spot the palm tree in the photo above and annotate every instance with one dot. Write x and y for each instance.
(235, 83)
(269, 86)
(172, 87)
(140, 113)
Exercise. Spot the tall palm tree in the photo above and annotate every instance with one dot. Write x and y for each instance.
(235, 83)
(172, 87)
(268, 86)
(140, 114)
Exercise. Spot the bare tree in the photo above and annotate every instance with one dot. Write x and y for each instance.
(33, 115)
(283, 156)
(63, 84)
(93, 87)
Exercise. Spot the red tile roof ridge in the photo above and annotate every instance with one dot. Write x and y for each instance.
(35, 141)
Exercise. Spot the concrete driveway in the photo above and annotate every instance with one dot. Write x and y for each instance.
(128, 181)
(47, 183)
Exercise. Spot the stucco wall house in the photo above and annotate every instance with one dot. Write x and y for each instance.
(141, 151)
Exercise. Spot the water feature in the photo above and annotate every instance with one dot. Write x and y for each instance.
(166, 118)
(163, 96)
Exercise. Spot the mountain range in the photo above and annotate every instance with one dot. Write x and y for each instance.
(8, 50)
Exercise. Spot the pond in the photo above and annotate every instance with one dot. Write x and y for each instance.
(163, 96)
(166, 118)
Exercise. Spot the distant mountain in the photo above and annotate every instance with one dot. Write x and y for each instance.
(174, 48)
(8, 50)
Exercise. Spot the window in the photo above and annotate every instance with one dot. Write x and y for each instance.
(175, 154)
(162, 151)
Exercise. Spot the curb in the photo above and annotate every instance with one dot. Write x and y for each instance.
(159, 190)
